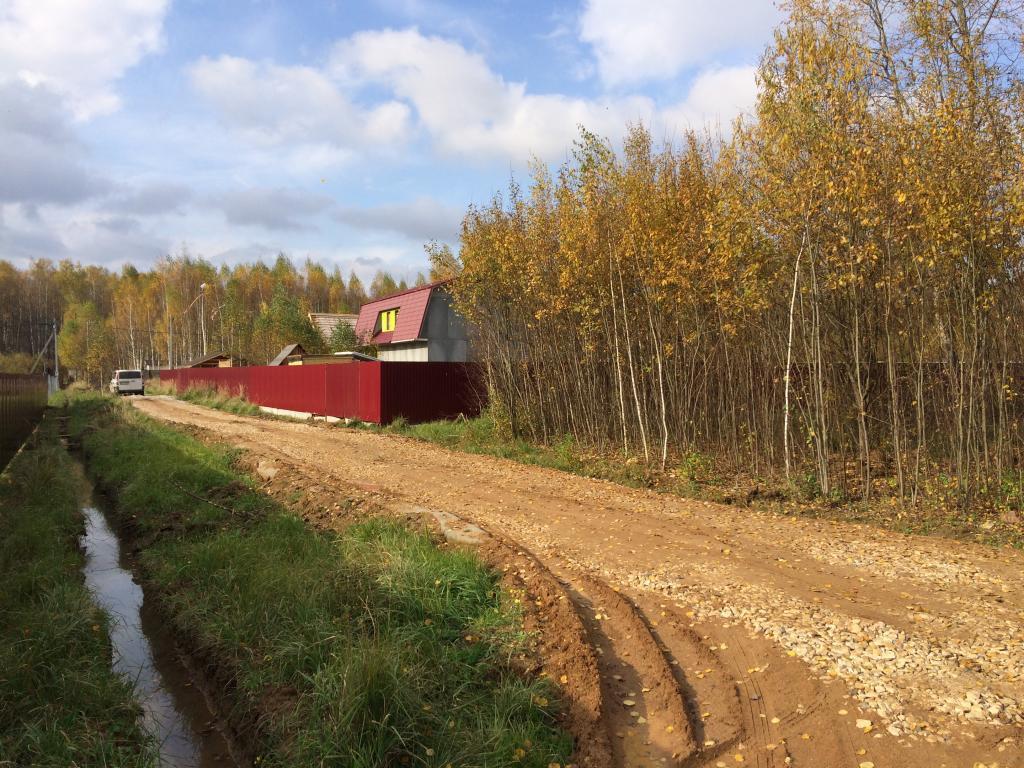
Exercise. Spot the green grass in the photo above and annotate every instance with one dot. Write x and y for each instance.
(372, 647)
(211, 397)
(60, 702)
(482, 435)
(694, 475)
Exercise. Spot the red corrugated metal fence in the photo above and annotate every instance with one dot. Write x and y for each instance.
(429, 391)
(22, 402)
(377, 392)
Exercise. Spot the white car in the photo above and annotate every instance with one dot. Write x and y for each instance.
(127, 383)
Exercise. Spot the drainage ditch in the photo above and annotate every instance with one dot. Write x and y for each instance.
(175, 711)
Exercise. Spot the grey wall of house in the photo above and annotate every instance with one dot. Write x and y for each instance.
(445, 331)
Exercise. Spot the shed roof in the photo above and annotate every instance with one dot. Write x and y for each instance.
(205, 359)
(355, 356)
(326, 322)
(291, 349)
(412, 309)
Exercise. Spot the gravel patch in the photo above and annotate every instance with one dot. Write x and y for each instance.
(888, 670)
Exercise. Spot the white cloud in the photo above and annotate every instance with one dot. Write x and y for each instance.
(152, 199)
(272, 208)
(251, 252)
(41, 160)
(78, 48)
(659, 39)
(401, 260)
(96, 238)
(423, 219)
(380, 86)
(716, 97)
(88, 236)
(382, 90)
(468, 109)
(23, 238)
(281, 105)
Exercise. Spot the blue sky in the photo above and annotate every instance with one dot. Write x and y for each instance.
(348, 132)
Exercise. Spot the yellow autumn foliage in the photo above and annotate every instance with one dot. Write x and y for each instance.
(830, 291)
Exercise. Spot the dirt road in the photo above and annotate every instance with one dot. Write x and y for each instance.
(722, 636)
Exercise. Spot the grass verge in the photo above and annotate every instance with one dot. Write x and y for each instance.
(481, 435)
(60, 702)
(367, 648)
(694, 475)
(210, 397)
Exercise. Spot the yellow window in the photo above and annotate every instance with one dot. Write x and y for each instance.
(387, 320)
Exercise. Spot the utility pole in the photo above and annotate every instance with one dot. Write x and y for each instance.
(170, 328)
(202, 314)
(56, 362)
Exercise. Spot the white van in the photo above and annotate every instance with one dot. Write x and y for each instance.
(127, 383)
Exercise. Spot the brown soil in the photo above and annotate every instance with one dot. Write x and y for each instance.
(739, 637)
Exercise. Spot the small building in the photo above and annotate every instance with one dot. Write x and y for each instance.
(336, 358)
(294, 354)
(290, 352)
(416, 325)
(327, 322)
(215, 360)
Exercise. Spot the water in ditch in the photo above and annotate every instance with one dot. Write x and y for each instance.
(175, 711)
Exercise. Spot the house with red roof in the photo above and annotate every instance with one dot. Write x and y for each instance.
(416, 325)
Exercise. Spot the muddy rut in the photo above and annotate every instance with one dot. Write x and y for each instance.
(693, 634)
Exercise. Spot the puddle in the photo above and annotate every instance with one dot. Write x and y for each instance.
(174, 710)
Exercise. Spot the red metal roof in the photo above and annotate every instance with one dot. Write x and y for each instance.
(412, 309)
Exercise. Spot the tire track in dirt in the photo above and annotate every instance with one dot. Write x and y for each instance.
(625, 706)
(646, 709)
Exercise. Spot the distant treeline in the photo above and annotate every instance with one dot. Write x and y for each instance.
(133, 318)
(833, 293)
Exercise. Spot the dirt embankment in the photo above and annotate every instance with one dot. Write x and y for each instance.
(699, 634)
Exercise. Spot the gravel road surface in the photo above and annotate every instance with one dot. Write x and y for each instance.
(784, 641)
